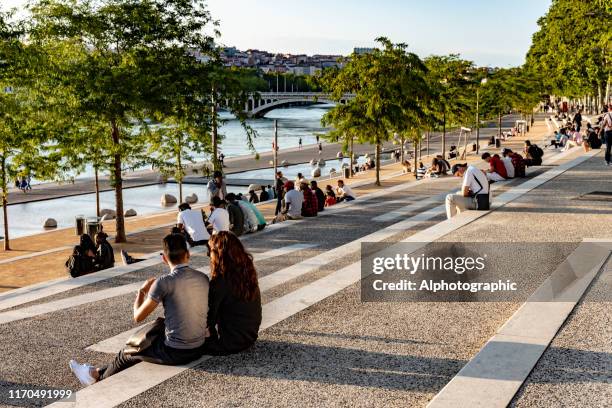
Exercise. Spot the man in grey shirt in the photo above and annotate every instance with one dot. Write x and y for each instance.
(293, 201)
(184, 295)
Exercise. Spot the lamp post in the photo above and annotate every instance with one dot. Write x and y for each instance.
(482, 82)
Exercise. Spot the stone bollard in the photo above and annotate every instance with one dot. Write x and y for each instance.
(108, 214)
(168, 199)
(191, 199)
(130, 213)
(316, 172)
(50, 223)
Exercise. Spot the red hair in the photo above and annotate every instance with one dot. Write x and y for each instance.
(229, 259)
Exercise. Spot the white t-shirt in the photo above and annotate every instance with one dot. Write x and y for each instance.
(509, 166)
(346, 190)
(219, 219)
(193, 224)
(294, 200)
(469, 180)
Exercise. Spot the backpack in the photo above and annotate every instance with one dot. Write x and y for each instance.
(539, 153)
(519, 165)
(74, 266)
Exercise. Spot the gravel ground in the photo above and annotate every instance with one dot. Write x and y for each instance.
(576, 370)
(340, 351)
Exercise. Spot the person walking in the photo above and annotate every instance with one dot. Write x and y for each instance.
(320, 148)
(300, 143)
(606, 130)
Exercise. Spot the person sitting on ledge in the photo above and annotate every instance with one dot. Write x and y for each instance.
(345, 193)
(191, 223)
(219, 217)
(319, 194)
(253, 198)
(236, 215)
(474, 193)
(105, 256)
(497, 169)
(264, 195)
(234, 299)
(184, 295)
(292, 207)
(310, 205)
(80, 262)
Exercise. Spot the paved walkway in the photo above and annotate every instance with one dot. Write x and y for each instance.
(320, 344)
(41, 257)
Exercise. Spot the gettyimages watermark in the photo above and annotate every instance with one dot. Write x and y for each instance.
(461, 271)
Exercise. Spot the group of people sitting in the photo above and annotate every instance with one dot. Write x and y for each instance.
(88, 257)
(216, 315)
(301, 198)
(570, 136)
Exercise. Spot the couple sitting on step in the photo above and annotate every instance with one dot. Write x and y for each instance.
(202, 316)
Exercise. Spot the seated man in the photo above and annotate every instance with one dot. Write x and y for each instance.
(497, 169)
(192, 223)
(344, 192)
(255, 216)
(509, 165)
(319, 194)
(474, 193)
(236, 215)
(533, 154)
(219, 217)
(292, 208)
(105, 256)
(184, 295)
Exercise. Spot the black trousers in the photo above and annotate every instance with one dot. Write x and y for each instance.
(279, 204)
(608, 139)
(158, 353)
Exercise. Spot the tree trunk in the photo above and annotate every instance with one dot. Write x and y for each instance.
(377, 161)
(351, 158)
(444, 135)
(416, 159)
(179, 164)
(499, 126)
(97, 191)
(215, 142)
(428, 142)
(120, 235)
(402, 148)
(4, 187)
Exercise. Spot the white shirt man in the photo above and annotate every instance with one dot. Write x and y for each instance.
(293, 202)
(345, 193)
(509, 166)
(219, 219)
(474, 182)
(193, 223)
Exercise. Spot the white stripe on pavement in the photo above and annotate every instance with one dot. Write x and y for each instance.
(66, 303)
(142, 377)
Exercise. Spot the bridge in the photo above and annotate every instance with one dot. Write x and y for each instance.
(258, 105)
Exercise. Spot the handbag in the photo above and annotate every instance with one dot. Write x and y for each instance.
(481, 200)
(144, 337)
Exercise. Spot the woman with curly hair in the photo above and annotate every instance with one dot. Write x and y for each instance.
(234, 300)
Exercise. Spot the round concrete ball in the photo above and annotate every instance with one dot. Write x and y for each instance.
(316, 172)
(191, 199)
(50, 223)
(321, 163)
(168, 199)
(108, 214)
(285, 163)
(131, 213)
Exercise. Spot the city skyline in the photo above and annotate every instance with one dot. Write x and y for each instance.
(489, 33)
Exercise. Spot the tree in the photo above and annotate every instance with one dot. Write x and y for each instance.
(132, 53)
(449, 80)
(387, 85)
(570, 53)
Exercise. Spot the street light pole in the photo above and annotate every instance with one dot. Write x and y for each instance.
(477, 122)
(275, 147)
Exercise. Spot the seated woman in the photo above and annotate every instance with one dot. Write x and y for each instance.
(406, 167)
(80, 262)
(234, 300)
(421, 171)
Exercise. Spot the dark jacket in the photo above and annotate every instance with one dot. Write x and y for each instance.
(79, 264)
(264, 196)
(105, 256)
(320, 198)
(236, 217)
(233, 323)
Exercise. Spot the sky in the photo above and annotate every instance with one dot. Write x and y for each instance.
(489, 32)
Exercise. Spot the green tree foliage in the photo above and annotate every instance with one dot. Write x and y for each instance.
(570, 53)
(133, 58)
(389, 89)
(450, 80)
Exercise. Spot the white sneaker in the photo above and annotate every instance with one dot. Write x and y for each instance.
(82, 372)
